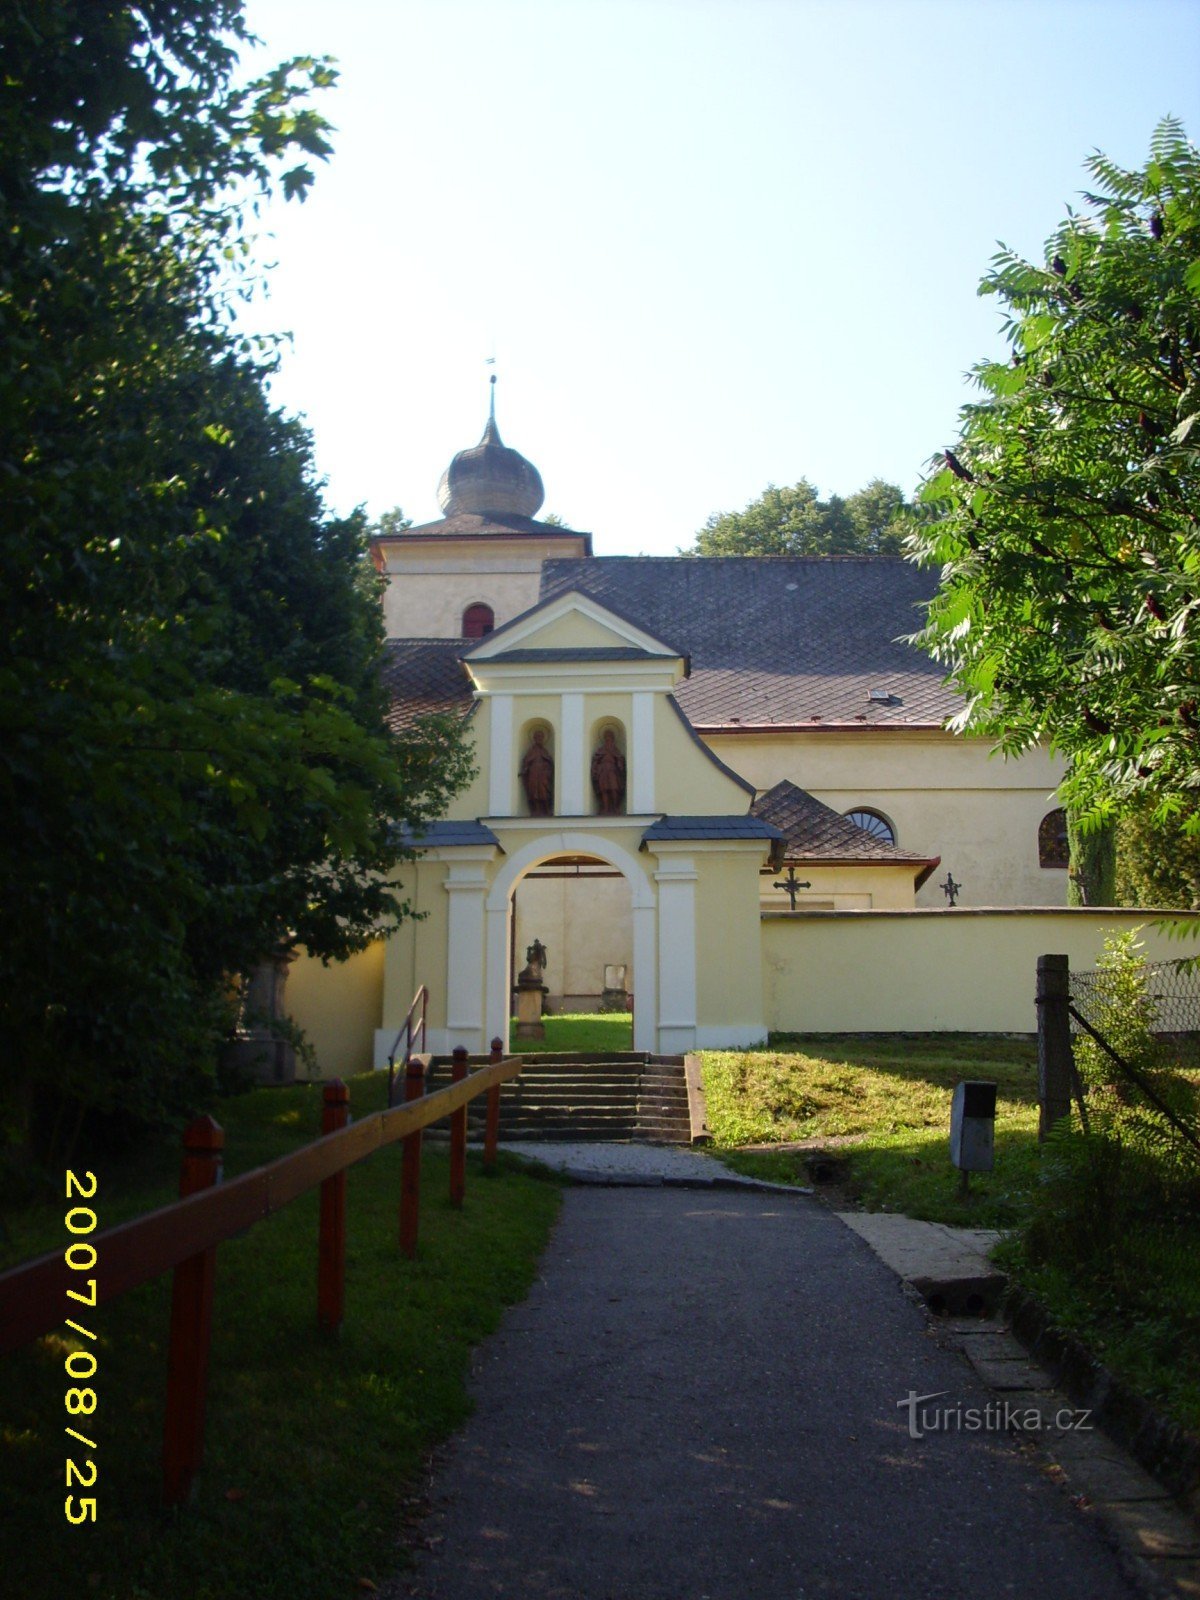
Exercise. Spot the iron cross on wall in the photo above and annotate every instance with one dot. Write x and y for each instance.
(793, 885)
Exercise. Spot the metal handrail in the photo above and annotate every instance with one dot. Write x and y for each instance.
(408, 1033)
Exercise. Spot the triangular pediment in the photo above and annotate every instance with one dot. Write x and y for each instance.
(571, 626)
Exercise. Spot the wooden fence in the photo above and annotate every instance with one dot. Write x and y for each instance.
(184, 1235)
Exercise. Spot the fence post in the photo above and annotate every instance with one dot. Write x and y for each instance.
(410, 1166)
(191, 1326)
(492, 1134)
(458, 1133)
(1054, 1041)
(331, 1245)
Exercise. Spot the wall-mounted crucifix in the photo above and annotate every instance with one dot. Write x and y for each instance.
(951, 889)
(792, 884)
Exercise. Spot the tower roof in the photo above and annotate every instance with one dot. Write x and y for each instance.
(490, 479)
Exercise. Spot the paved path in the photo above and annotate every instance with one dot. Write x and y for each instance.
(698, 1401)
(616, 1161)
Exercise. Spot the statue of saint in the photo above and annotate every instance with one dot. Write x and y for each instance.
(608, 776)
(536, 959)
(537, 776)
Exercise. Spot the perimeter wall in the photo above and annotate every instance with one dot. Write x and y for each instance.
(968, 970)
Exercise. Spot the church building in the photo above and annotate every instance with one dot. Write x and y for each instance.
(687, 768)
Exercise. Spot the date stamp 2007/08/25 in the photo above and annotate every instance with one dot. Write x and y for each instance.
(80, 1365)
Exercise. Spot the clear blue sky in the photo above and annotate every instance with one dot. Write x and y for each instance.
(711, 245)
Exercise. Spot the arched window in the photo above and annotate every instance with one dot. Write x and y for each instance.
(1053, 849)
(874, 823)
(478, 621)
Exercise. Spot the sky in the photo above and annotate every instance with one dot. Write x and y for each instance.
(709, 244)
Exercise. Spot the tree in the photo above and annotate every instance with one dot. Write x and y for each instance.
(796, 522)
(1067, 510)
(194, 764)
(390, 523)
(1158, 861)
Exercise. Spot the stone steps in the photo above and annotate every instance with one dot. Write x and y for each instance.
(623, 1096)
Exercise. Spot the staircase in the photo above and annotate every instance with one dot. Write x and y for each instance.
(624, 1095)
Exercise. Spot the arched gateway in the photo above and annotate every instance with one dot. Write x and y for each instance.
(649, 801)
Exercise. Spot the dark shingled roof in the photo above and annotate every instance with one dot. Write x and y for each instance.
(788, 641)
(488, 525)
(436, 835)
(423, 676)
(815, 832)
(737, 827)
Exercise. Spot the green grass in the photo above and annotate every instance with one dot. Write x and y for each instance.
(888, 1098)
(313, 1445)
(612, 1030)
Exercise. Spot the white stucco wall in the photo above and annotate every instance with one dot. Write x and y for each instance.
(585, 924)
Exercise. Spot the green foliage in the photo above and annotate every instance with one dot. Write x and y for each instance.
(1066, 528)
(194, 764)
(582, 1030)
(1118, 1207)
(1092, 878)
(390, 523)
(1158, 858)
(314, 1452)
(795, 522)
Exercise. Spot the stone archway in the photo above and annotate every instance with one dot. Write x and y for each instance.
(498, 913)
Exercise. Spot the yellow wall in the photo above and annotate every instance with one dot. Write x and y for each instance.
(926, 971)
(432, 582)
(686, 782)
(945, 795)
(339, 1007)
(416, 954)
(728, 982)
(843, 888)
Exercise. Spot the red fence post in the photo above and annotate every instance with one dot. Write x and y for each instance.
(191, 1326)
(458, 1133)
(410, 1168)
(492, 1134)
(331, 1243)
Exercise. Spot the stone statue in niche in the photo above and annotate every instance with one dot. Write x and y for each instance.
(537, 776)
(608, 776)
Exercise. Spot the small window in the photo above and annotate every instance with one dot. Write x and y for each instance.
(873, 823)
(478, 621)
(1053, 849)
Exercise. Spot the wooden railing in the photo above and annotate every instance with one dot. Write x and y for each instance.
(185, 1234)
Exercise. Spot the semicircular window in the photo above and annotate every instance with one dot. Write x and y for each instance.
(873, 823)
(1053, 849)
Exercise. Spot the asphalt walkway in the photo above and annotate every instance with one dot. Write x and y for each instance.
(699, 1401)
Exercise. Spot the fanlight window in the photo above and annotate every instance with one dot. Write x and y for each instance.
(478, 621)
(871, 822)
(1053, 850)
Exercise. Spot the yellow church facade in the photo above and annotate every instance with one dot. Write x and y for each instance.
(727, 781)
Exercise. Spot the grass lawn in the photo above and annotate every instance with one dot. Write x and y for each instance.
(610, 1030)
(313, 1446)
(883, 1104)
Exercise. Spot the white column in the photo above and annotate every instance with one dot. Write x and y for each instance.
(641, 755)
(676, 879)
(645, 986)
(466, 885)
(500, 759)
(570, 759)
(497, 975)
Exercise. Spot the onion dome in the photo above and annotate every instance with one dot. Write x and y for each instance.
(491, 479)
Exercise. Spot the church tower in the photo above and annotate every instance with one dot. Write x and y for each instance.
(479, 565)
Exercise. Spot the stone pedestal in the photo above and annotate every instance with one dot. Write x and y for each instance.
(530, 999)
